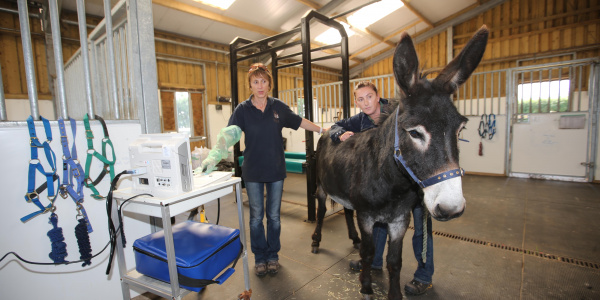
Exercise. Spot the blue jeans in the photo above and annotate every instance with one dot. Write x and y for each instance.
(265, 248)
(379, 239)
(424, 272)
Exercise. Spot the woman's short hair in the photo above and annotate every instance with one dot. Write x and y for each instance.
(363, 84)
(259, 70)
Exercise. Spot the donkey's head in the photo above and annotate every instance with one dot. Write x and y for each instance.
(428, 123)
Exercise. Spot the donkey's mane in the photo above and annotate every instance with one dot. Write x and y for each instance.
(388, 110)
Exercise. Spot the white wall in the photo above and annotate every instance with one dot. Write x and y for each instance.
(492, 160)
(540, 147)
(24, 281)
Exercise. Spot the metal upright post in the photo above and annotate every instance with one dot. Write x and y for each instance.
(234, 99)
(85, 55)
(142, 63)
(308, 113)
(28, 59)
(110, 51)
(2, 100)
(58, 58)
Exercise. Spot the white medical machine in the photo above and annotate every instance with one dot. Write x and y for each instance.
(167, 160)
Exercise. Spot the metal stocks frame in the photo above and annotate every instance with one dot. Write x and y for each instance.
(240, 46)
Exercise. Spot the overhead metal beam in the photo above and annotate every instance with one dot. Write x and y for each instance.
(324, 10)
(430, 33)
(417, 12)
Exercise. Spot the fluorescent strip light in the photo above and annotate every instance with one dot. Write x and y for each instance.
(221, 4)
(373, 13)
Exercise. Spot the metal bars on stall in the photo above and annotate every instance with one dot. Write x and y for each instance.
(28, 59)
(238, 48)
(116, 62)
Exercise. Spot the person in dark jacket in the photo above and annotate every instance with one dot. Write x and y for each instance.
(367, 99)
(262, 118)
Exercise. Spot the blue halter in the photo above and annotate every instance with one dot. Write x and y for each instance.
(430, 181)
(73, 173)
(33, 193)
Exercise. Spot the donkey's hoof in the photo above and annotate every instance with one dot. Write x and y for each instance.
(315, 250)
(367, 297)
(356, 245)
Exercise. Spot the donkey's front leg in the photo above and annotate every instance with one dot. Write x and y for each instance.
(394, 256)
(321, 209)
(367, 251)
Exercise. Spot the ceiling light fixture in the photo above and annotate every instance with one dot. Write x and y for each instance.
(220, 4)
(373, 13)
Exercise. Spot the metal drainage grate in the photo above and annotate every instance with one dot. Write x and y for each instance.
(568, 260)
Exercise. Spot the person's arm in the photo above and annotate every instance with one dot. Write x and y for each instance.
(310, 126)
(343, 129)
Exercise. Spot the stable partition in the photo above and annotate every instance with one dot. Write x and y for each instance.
(134, 112)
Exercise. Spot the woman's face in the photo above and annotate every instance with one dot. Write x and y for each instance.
(367, 100)
(259, 86)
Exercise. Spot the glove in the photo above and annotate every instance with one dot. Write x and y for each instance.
(227, 137)
(207, 166)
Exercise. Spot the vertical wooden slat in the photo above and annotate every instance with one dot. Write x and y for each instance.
(197, 114)
(168, 111)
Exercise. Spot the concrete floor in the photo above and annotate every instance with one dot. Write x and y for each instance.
(518, 239)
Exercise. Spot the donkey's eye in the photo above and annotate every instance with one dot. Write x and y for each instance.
(415, 134)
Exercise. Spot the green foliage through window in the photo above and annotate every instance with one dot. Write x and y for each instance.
(182, 111)
(543, 97)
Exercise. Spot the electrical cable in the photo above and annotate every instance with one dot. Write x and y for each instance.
(118, 230)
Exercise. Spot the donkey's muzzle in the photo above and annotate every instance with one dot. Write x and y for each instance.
(446, 214)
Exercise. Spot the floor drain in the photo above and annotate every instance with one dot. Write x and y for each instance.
(568, 260)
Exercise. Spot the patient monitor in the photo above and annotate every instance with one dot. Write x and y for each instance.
(167, 160)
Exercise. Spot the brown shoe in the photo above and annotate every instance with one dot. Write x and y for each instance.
(273, 266)
(261, 269)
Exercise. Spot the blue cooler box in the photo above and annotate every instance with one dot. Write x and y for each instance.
(202, 251)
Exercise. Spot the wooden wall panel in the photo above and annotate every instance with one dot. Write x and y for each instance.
(198, 119)
(11, 53)
(519, 30)
(167, 102)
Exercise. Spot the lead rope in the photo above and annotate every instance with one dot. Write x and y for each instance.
(73, 178)
(425, 217)
(83, 241)
(59, 247)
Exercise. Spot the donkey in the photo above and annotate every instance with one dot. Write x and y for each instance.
(378, 172)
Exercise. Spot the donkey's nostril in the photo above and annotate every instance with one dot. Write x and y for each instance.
(445, 214)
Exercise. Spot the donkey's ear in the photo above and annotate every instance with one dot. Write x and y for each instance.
(461, 67)
(406, 63)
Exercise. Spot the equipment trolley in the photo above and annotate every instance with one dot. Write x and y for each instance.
(165, 208)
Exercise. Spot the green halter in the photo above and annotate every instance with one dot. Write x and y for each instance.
(108, 164)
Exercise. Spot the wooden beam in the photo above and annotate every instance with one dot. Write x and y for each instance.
(311, 4)
(536, 20)
(213, 16)
(416, 12)
(385, 39)
(534, 32)
(26, 96)
(181, 86)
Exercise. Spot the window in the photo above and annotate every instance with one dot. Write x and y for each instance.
(543, 97)
(183, 112)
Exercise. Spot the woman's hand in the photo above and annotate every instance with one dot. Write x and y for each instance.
(346, 135)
